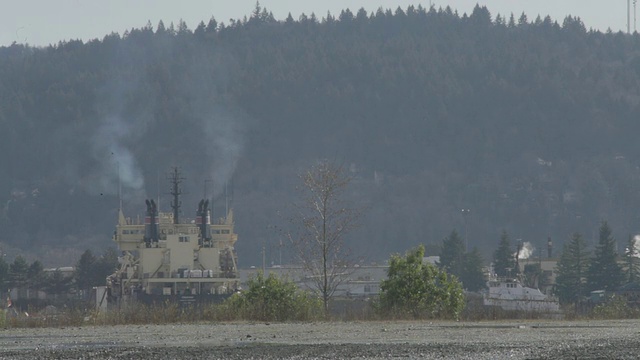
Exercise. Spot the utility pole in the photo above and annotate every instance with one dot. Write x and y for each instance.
(628, 16)
(635, 3)
(465, 213)
(518, 250)
(264, 259)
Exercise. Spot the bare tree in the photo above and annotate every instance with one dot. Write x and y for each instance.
(320, 224)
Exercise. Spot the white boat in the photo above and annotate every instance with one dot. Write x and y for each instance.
(509, 294)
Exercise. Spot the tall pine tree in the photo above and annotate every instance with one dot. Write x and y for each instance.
(452, 255)
(604, 272)
(466, 266)
(472, 277)
(18, 272)
(503, 258)
(85, 270)
(572, 270)
(4, 275)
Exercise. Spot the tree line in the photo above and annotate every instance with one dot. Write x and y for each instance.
(89, 271)
(527, 122)
(581, 271)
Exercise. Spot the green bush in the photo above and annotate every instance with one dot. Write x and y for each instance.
(273, 299)
(418, 290)
(615, 307)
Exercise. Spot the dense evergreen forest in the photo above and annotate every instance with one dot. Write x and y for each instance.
(529, 125)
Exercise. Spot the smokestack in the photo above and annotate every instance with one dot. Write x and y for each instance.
(203, 220)
(549, 247)
(151, 223)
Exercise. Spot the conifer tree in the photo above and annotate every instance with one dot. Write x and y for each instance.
(571, 270)
(18, 272)
(466, 266)
(452, 255)
(212, 26)
(4, 275)
(523, 21)
(160, 29)
(472, 277)
(200, 30)
(604, 272)
(84, 272)
(503, 258)
(512, 21)
(58, 283)
(35, 275)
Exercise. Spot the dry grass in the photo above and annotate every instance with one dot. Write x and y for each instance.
(341, 310)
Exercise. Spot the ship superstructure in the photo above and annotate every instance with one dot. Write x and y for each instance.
(509, 294)
(168, 258)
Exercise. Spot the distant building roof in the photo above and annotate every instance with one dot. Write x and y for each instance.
(632, 286)
(433, 260)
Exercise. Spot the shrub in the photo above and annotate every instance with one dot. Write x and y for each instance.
(418, 290)
(615, 307)
(273, 299)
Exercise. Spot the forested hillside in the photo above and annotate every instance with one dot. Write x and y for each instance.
(530, 125)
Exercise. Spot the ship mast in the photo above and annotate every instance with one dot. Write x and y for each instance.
(176, 179)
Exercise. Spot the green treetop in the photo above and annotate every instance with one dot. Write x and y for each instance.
(604, 273)
(503, 258)
(571, 270)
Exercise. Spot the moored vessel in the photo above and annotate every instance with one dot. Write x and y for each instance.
(509, 294)
(171, 259)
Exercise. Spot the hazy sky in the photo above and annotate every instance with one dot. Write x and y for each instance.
(41, 22)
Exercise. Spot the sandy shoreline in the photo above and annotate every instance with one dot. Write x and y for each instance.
(368, 340)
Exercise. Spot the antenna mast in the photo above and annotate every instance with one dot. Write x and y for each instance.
(119, 187)
(628, 16)
(158, 186)
(176, 192)
(635, 3)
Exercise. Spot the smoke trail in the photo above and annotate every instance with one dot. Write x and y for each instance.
(227, 145)
(125, 112)
(206, 140)
(116, 167)
(221, 124)
(526, 251)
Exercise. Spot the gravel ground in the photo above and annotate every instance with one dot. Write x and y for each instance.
(335, 340)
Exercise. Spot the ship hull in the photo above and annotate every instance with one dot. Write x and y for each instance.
(182, 300)
(524, 305)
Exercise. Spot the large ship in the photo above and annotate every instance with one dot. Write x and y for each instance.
(167, 258)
